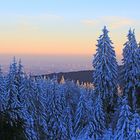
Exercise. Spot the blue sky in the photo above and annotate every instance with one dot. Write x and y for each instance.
(64, 26)
(73, 8)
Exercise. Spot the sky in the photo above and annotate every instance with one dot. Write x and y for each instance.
(64, 27)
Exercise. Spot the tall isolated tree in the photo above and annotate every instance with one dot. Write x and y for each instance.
(105, 68)
(131, 68)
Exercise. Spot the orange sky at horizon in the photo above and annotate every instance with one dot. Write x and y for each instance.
(41, 45)
(65, 27)
(59, 42)
(74, 39)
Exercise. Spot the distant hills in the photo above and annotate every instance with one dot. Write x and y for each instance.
(82, 76)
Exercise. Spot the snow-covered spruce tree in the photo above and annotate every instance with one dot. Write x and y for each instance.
(123, 128)
(99, 116)
(138, 88)
(55, 119)
(3, 93)
(108, 135)
(14, 105)
(135, 127)
(29, 98)
(68, 122)
(40, 109)
(91, 130)
(21, 80)
(21, 95)
(105, 69)
(67, 109)
(131, 68)
(95, 120)
(116, 114)
(72, 94)
(35, 104)
(81, 118)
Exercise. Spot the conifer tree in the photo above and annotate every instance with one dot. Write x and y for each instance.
(116, 113)
(68, 122)
(135, 127)
(40, 103)
(105, 68)
(123, 128)
(131, 68)
(99, 115)
(81, 113)
(95, 125)
(21, 87)
(55, 119)
(14, 105)
(91, 131)
(3, 93)
(28, 102)
(108, 135)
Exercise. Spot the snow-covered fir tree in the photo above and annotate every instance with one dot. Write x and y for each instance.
(30, 113)
(68, 122)
(23, 96)
(91, 130)
(131, 68)
(72, 95)
(3, 92)
(139, 50)
(105, 68)
(55, 118)
(116, 113)
(14, 104)
(123, 128)
(81, 113)
(39, 101)
(135, 127)
(95, 124)
(108, 135)
(99, 115)
(21, 87)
